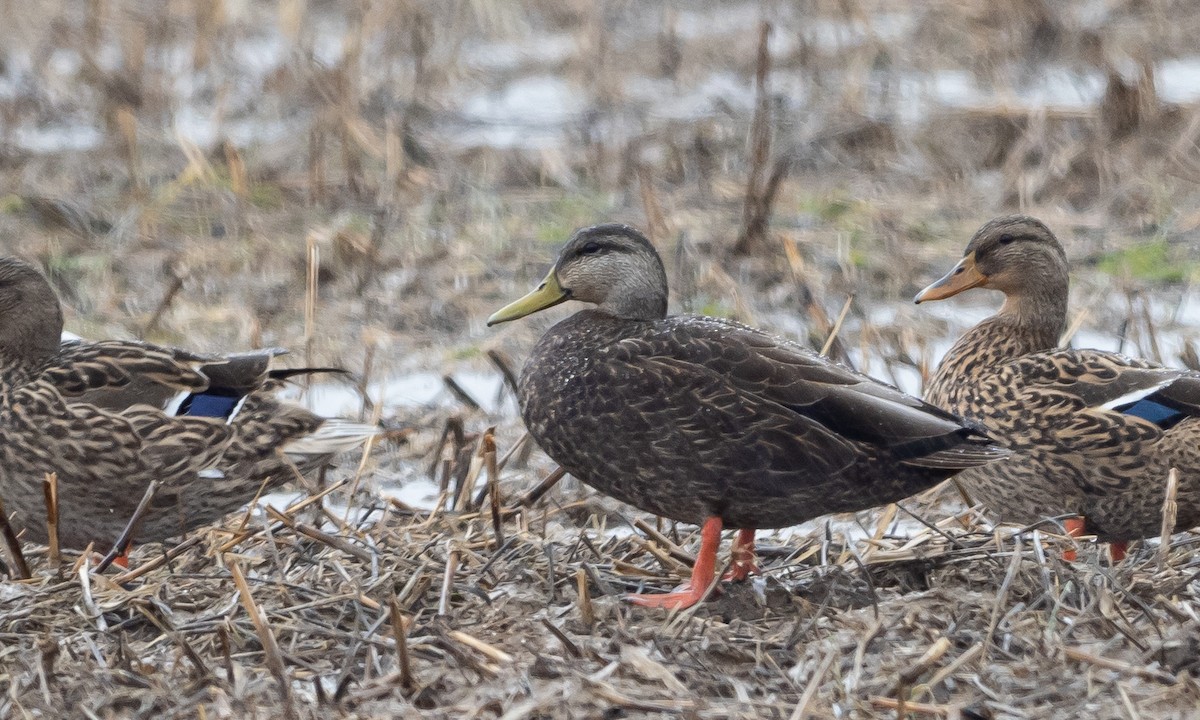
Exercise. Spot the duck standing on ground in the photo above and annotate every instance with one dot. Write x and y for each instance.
(1094, 433)
(707, 421)
(109, 417)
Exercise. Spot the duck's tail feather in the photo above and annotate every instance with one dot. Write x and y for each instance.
(335, 435)
(286, 373)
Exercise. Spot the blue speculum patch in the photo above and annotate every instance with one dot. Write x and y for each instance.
(210, 405)
(1157, 413)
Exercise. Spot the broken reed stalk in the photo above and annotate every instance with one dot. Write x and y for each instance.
(909, 709)
(672, 549)
(241, 534)
(368, 446)
(837, 325)
(312, 533)
(50, 493)
(454, 425)
(131, 527)
(1142, 671)
(158, 560)
(753, 230)
(586, 612)
(504, 365)
(127, 127)
(364, 380)
(490, 651)
(380, 222)
(461, 393)
(238, 180)
(816, 311)
(89, 603)
(909, 675)
(400, 633)
(448, 578)
(1170, 511)
(313, 266)
(1151, 333)
(517, 447)
(271, 653)
(801, 710)
(543, 487)
(262, 488)
(571, 648)
(177, 278)
(317, 175)
(493, 483)
(462, 493)
(655, 219)
(12, 545)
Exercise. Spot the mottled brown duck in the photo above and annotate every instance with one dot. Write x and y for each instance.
(707, 421)
(109, 417)
(1094, 434)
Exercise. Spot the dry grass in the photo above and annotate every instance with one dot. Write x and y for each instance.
(946, 621)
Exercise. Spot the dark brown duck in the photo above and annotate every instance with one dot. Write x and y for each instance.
(711, 422)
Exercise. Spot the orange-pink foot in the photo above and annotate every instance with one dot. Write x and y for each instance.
(703, 574)
(1117, 551)
(1075, 527)
(684, 596)
(742, 565)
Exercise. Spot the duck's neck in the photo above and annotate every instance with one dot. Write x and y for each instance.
(1025, 324)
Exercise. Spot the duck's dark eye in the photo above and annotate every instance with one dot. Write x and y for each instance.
(590, 248)
(1006, 239)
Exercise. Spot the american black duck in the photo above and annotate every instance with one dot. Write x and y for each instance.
(711, 422)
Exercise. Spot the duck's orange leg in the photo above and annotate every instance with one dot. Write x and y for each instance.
(1075, 527)
(1117, 551)
(703, 574)
(121, 560)
(742, 565)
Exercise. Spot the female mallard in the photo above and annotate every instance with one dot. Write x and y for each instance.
(110, 417)
(710, 422)
(1094, 433)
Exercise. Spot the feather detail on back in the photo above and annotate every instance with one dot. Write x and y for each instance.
(109, 417)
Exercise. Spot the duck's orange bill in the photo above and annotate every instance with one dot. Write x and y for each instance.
(963, 276)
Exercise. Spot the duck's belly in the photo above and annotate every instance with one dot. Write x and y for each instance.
(739, 480)
(1036, 484)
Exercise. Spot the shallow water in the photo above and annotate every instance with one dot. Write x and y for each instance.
(514, 94)
(412, 390)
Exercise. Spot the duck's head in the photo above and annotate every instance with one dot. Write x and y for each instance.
(1015, 254)
(30, 315)
(612, 266)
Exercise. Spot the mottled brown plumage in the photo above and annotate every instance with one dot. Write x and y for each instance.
(109, 417)
(1094, 433)
(695, 418)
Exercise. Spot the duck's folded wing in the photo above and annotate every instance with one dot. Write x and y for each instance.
(1099, 409)
(179, 445)
(839, 407)
(82, 367)
(1099, 379)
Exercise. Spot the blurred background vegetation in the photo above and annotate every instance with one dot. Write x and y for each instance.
(173, 164)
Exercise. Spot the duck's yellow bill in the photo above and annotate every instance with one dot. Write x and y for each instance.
(548, 294)
(963, 276)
